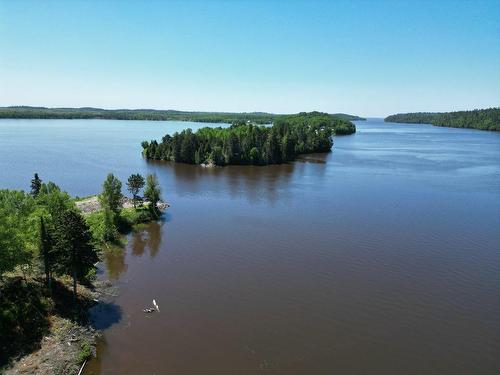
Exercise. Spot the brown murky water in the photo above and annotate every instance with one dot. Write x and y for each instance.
(381, 257)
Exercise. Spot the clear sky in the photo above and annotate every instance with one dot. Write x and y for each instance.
(370, 58)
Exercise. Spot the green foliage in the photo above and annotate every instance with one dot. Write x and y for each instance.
(111, 195)
(85, 352)
(139, 114)
(18, 238)
(23, 317)
(345, 116)
(46, 253)
(482, 119)
(36, 185)
(92, 274)
(132, 216)
(95, 221)
(20, 227)
(103, 226)
(49, 231)
(47, 227)
(245, 143)
(145, 114)
(134, 185)
(110, 232)
(152, 192)
(122, 223)
(73, 246)
(52, 200)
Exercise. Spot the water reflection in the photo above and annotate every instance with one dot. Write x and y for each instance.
(254, 183)
(94, 366)
(154, 238)
(115, 262)
(313, 158)
(147, 238)
(138, 243)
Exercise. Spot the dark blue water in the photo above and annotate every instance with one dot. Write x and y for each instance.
(380, 257)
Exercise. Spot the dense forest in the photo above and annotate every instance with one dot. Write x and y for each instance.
(144, 114)
(246, 143)
(482, 119)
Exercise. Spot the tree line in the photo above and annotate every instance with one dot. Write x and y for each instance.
(246, 143)
(144, 114)
(44, 230)
(482, 119)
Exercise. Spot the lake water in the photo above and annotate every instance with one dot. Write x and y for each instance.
(381, 257)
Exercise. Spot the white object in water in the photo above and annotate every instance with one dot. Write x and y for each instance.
(156, 305)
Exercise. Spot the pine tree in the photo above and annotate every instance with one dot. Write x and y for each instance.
(74, 252)
(36, 184)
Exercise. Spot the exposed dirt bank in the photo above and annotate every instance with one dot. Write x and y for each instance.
(92, 204)
(69, 341)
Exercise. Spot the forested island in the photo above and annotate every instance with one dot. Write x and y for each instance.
(49, 247)
(27, 112)
(246, 143)
(482, 119)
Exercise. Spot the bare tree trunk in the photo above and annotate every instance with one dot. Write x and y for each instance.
(50, 282)
(47, 274)
(74, 287)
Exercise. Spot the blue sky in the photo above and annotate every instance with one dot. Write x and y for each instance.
(371, 58)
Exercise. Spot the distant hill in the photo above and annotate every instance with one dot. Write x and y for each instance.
(347, 117)
(482, 119)
(131, 114)
(27, 112)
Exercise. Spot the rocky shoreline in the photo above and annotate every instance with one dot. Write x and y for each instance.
(91, 204)
(69, 343)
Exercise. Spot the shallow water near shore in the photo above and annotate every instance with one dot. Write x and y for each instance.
(380, 257)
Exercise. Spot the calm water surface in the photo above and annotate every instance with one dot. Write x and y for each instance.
(382, 257)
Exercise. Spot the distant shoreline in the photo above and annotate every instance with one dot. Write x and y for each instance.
(480, 119)
(27, 112)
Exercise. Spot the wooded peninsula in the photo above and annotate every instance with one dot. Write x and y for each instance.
(247, 143)
(50, 244)
(28, 112)
(482, 119)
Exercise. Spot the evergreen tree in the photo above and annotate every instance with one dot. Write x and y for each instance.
(74, 253)
(36, 184)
